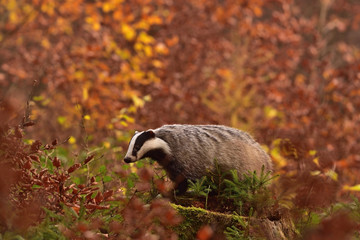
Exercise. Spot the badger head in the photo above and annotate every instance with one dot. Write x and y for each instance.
(146, 144)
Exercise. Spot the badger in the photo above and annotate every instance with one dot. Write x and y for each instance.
(189, 152)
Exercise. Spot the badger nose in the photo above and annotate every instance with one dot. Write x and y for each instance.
(127, 160)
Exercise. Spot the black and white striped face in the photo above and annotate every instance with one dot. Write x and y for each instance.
(142, 143)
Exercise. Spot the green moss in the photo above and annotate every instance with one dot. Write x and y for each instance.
(195, 218)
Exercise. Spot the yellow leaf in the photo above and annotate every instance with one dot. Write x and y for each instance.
(61, 120)
(138, 46)
(316, 161)
(85, 94)
(315, 173)
(11, 5)
(72, 140)
(87, 117)
(28, 8)
(79, 75)
(138, 102)
(148, 51)
(13, 17)
(270, 112)
(332, 174)
(107, 7)
(128, 31)
(278, 159)
(152, 77)
(45, 102)
(157, 63)
(124, 54)
(125, 119)
(146, 98)
(145, 38)
(96, 26)
(133, 169)
(143, 25)
(106, 144)
(89, 20)
(45, 43)
(123, 190)
(352, 188)
(124, 123)
(93, 22)
(312, 152)
(48, 7)
(132, 109)
(38, 98)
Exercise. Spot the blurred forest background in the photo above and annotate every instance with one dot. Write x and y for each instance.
(90, 72)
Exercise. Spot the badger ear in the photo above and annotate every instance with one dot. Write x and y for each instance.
(150, 133)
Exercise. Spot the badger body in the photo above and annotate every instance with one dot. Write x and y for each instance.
(192, 151)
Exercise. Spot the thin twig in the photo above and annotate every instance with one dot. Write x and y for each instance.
(26, 119)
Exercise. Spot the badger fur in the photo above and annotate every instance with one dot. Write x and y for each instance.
(190, 151)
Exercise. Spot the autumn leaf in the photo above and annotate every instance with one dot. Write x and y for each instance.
(74, 167)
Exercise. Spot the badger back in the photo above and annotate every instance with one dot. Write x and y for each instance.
(197, 147)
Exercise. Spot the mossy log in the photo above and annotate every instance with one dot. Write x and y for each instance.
(258, 228)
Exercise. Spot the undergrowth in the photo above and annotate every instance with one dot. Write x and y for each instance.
(235, 193)
(49, 194)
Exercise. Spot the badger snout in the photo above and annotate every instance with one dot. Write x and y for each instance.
(127, 160)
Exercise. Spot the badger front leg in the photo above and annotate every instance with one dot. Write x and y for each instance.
(175, 171)
(181, 185)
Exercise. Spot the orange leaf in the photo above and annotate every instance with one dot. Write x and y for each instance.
(205, 233)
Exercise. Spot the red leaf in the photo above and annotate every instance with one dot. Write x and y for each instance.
(56, 162)
(27, 165)
(35, 158)
(160, 185)
(108, 194)
(82, 227)
(47, 146)
(74, 167)
(91, 206)
(42, 172)
(89, 158)
(93, 179)
(88, 196)
(36, 146)
(99, 198)
(28, 124)
(55, 142)
(145, 174)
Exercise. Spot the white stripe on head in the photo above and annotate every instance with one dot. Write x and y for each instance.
(131, 147)
(154, 143)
